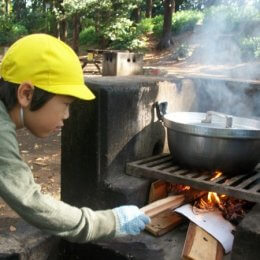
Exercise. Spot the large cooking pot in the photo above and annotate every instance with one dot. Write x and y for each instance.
(212, 141)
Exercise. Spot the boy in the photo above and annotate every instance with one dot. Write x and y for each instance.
(40, 77)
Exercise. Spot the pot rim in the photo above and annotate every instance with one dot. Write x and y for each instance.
(208, 131)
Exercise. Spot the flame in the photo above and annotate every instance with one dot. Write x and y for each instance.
(232, 209)
(210, 201)
(213, 198)
(203, 204)
(177, 188)
(216, 175)
(186, 188)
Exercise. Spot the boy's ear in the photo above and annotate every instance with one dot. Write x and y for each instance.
(25, 94)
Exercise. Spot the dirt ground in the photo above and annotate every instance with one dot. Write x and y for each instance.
(43, 157)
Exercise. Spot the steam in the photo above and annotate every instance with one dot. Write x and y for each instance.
(218, 48)
(220, 36)
(238, 99)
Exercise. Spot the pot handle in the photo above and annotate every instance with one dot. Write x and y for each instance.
(209, 114)
(161, 109)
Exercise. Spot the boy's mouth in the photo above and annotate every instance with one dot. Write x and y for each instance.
(58, 129)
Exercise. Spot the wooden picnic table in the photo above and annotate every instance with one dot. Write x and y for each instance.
(93, 56)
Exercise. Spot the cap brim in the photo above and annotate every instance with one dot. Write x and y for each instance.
(77, 91)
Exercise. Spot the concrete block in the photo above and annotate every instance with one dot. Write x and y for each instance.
(101, 136)
(27, 243)
(247, 237)
(122, 63)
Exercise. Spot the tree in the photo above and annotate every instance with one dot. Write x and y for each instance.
(19, 9)
(166, 40)
(136, 15)
(103, 13)
(149, 8)
(5, 6)
(61, 16)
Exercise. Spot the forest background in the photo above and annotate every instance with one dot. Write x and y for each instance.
(131, 24)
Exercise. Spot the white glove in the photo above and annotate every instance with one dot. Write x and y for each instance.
(130, 220)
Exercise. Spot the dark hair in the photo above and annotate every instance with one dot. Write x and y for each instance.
(8, 96)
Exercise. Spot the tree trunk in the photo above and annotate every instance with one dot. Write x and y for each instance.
(149, 8)
(6, 6)
(54, 22)
(62, 29)
(19, 7)
(76, 28)
(166, 40)
(137, 15)
(62, 24)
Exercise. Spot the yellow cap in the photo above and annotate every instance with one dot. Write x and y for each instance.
(47, 63)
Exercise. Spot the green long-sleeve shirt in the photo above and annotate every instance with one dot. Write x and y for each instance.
(22, 194)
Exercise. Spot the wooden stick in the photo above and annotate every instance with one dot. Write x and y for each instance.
(159, 206)
(200, 245)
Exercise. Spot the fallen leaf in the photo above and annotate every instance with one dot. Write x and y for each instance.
(12, 228)
(40, 163)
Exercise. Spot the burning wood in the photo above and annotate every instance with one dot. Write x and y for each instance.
(232, 209)
(177, 188)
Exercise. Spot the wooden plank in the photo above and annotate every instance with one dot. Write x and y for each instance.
(158, 190)
(164, 222)
(200, 245)
(159, 206)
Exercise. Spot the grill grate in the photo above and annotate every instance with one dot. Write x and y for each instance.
(244, 186)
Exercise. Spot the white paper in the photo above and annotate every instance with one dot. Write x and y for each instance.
(212, 222)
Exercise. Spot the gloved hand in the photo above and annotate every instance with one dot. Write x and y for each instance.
(130, 220)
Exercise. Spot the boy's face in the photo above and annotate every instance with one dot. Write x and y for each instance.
(49, 118)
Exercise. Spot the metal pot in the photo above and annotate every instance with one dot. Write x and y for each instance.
(212, 141)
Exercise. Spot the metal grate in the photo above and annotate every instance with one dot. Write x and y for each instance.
(244, 186)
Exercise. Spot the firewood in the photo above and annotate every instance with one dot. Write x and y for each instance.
(158, 190)
(159, 206)
(163, 219)
(200, 245)
(164, 222)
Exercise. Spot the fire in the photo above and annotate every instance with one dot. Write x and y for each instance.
(211, 200)
(216, 175)
(179, 188)
(232, 209)
(208, 202)
(185, 188)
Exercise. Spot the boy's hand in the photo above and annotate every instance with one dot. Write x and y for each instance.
(130, 220)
